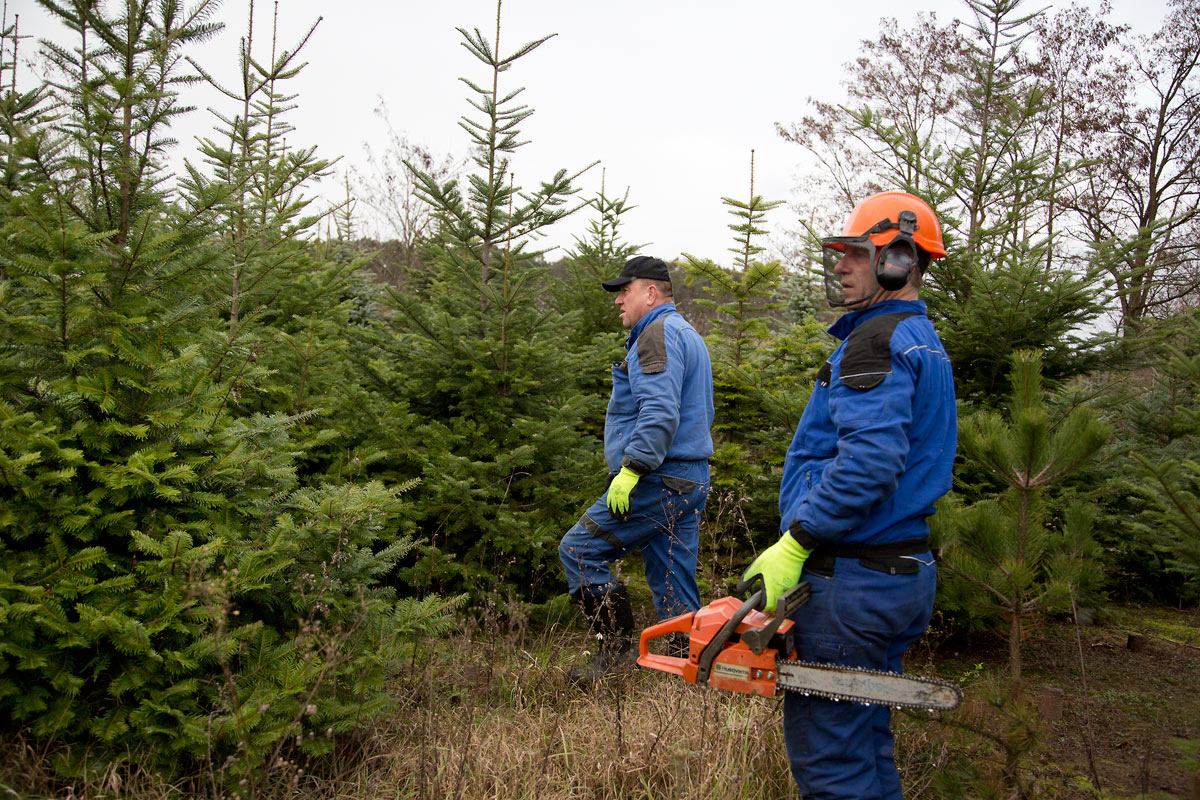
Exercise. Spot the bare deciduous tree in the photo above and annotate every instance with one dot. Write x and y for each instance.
(1142, 196)
(387, 188)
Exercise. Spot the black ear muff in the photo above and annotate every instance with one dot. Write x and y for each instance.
(898, 258)
(895, 264)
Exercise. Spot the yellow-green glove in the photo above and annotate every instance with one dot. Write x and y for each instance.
(619, 489)
(780, 566)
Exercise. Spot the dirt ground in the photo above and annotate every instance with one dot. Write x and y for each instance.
(1113, 699)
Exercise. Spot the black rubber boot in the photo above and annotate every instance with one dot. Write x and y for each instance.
(610, 617)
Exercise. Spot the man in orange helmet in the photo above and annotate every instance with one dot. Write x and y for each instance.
(873, 452)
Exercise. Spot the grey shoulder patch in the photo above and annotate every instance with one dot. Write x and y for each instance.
(652, 347)
(867, 359)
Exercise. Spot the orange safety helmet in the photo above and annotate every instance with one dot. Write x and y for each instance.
(887, 206)
(894, 228)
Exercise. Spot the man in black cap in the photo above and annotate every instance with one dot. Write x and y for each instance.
(657, 444)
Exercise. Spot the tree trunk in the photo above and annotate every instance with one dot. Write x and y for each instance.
(1014, 647)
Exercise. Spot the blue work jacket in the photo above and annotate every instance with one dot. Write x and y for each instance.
(661, 410)
(875, 446)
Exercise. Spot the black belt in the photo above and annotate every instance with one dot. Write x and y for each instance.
(888, 557)
(642, 469)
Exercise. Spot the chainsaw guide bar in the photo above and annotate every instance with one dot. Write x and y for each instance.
(869, 686)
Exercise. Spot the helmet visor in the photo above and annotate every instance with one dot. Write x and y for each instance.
(847, 263)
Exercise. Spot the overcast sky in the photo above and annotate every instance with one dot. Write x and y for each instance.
(669, 95)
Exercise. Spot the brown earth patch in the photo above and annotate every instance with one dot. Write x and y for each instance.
(1109, 703)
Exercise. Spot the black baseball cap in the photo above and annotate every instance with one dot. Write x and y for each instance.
(639, 267)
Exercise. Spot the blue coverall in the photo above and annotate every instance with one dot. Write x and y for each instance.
(873, 452)
(658, 424)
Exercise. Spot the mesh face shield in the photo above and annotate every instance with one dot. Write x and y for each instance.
(849, 252)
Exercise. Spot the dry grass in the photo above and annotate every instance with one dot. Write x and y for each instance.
(28, 772)
(516, 730)
(488, 714)
(492, 715)
(501, 722)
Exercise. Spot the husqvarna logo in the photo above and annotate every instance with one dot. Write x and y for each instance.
(731, 671)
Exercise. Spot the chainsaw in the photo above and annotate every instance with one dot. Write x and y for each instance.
(734, 645)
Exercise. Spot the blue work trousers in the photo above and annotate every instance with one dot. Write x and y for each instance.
(663, 523)
(857, 617)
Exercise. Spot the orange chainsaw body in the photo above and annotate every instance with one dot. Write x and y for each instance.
(732, 664)
(733, 645)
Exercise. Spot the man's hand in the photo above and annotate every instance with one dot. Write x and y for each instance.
(780, 566)
(619, 489)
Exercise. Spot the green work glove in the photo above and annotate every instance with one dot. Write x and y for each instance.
(619, 489)
(780, 566)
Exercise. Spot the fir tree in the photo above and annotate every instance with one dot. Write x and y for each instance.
(486, 365)
(489, 227)
(742, 293)
(170, 592)
(575, 284)
(1000, 290)
(1170, 479)
(287, 299)
(1016, 565)
(760, 378)
(594, 259)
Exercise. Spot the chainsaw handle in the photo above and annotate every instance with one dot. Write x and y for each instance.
(757, 639)
(751, 586)
(717, 643)
(670, 664)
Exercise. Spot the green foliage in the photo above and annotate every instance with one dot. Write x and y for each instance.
(489, 370)
(1144, 475)
(760, 380)
(986, 310)
(801, 296)
(1019, 554)
(219, 443)
(287, 301)
(741, 295)
(1174, 489)
(594, 259)
(1008, 726)
(1189, 751)
(1170, 479)
(574, 283)
(120, 85)
(1006, 286)
(174, 587)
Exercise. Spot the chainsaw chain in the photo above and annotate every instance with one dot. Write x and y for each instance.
(839, 696)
